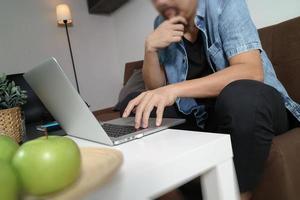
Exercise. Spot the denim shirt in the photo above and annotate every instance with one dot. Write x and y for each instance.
(228, 30)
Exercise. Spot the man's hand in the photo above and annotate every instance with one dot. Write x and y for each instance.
(168, 32)
(145, 103)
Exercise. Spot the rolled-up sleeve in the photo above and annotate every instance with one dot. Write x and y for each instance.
(237, 30)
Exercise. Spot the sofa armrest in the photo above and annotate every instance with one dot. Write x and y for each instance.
(106, 114)
(281, 177)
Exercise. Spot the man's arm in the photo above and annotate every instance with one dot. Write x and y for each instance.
(153, 73)
(246, 65)
(242, 47)
(168, 32)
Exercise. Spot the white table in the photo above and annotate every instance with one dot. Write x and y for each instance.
(161, 162)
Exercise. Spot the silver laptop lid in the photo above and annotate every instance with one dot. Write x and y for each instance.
(59, 96)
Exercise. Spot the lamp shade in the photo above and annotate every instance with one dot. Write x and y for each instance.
(63, 13)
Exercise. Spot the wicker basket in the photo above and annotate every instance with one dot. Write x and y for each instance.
(11, 123)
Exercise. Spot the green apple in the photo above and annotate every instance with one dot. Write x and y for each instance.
(47, 164)
(8, 148)
(9, 186)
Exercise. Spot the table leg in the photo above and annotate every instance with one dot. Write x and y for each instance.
(220, 183)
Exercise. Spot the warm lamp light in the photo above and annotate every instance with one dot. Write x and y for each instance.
(63, 14)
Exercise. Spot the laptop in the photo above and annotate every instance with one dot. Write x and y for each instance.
(59, 96)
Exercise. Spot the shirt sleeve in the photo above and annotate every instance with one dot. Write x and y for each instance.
(161, 53)
(237, 30)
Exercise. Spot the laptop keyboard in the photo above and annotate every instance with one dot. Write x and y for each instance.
(114, 130)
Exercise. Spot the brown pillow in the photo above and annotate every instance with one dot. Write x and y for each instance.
(134, 84)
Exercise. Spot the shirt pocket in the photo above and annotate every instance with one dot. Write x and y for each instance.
(217, 56)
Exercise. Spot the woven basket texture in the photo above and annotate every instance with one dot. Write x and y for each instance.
(11, 123)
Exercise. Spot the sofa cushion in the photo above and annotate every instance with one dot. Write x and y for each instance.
(281, 178)
(134, 84)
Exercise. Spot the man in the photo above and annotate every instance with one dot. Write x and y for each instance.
(205, 57)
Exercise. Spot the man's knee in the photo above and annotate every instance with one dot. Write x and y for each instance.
(245, 103)
(247, 95)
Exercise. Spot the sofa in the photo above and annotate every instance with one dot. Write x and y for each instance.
(281, 178)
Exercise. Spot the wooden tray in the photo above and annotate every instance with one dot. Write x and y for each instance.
(98, 166)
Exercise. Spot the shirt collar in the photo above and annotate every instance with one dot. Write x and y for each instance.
(201, 8)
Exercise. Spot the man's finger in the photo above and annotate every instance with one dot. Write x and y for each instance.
(130, 107)
(140, 110)
(177, 33)
(159, 113)
(147, 111)
(178, 27)
(134, 102)
(178, 20)
(176, 39)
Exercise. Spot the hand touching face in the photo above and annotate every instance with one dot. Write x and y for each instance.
(168, 32)
(171, 8)
(178, 14)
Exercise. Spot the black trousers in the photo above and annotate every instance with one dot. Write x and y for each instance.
(253, 113)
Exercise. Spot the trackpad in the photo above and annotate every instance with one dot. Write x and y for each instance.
(130, 121)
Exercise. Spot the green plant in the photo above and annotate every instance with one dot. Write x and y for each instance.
(11, 95)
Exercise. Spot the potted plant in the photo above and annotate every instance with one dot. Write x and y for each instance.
(11, 98)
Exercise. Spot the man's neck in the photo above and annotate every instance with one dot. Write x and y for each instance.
(191, 31)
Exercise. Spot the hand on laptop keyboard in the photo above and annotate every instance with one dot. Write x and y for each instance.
(145, 103)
